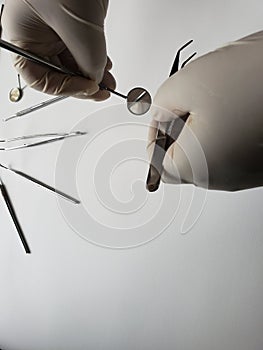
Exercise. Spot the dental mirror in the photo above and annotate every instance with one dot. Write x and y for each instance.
(139, 101)
(16, 93)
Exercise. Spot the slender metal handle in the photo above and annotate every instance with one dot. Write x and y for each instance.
(40, 183)
(1, 13)
(40, 105)
(14, 217)
(32, 57)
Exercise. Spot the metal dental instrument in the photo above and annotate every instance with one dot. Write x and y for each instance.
(51, 137)
(40, 183)
(1, 13)
(164, 137)
(138, 101)
(12, 213)
(36, 107)
(143, 102)
(17, 93)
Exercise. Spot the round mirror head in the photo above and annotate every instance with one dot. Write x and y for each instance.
(139, 101)
(15, 94)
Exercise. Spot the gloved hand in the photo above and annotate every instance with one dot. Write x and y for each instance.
(222, 94)
(68, 33)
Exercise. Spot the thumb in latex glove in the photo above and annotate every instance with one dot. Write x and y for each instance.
(221, 144)
(68, 33)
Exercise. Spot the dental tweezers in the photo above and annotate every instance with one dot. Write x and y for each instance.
(164, 135)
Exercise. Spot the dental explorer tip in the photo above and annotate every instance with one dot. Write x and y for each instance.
(8, 118)
(3, 166)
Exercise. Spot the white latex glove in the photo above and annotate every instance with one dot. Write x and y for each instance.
(223, 93)
(66, 32)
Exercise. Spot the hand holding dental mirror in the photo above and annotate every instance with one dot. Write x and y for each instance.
(138, 99)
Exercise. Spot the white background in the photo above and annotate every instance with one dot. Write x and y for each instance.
(198, 290)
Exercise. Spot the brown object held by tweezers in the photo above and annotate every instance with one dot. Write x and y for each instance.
(163, 136)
